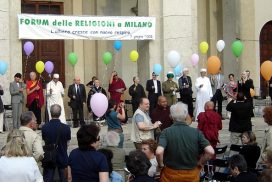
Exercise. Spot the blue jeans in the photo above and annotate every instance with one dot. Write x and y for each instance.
(49, 173)
(122, 138)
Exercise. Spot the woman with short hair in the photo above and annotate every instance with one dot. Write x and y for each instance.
(16, 163)
(85, 163)
(149, 148)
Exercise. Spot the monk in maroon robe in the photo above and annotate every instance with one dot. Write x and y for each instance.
(116, 87)
(210, 122)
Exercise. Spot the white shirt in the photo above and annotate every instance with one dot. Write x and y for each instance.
(156, 86)
(19, 169)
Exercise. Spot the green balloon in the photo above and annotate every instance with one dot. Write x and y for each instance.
(237, 48)
(72, 58)
(107, 57)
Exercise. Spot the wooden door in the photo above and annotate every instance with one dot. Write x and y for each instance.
(265, 52)
(44, 50)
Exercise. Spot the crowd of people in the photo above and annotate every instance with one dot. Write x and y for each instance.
(167, 148)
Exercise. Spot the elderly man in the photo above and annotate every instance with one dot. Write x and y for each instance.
(51, 132)
(142, 127)
(116, 87)
(153, 87)
(77, 95)
(35, 98)
(204, 91)
(180, 158)
(169, 88)
(55, 94)
(33, 140)
(16, 89)
(185, 90)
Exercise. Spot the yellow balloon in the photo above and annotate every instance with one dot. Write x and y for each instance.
(203, 46)
(39, 67)
(134, 55)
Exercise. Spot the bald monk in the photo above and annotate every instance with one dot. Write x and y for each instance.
(210, 122)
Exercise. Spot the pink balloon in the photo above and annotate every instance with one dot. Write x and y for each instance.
(194, 59)
(49, 67)
(99, 104)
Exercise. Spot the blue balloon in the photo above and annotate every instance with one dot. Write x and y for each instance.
(157, 68)
(177, 70)
(3, 67)
(117, 45)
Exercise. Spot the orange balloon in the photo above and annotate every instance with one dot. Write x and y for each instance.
(266, 70)
(213, 65)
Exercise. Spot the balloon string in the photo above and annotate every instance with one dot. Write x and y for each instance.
(104, 75)
(115, 59)
(25, 67)
(203, 59)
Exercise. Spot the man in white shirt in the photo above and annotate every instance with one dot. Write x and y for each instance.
(204, 91)
(55, 94)
(153, 86)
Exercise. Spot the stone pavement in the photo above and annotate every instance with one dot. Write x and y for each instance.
(258, 129)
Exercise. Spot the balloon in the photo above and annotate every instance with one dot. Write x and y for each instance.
(157, 68)
(49, 67)
(99, 104)
(194, 59)
(134, 55)
(266, 70)
(237, 48)
(40, 67)
(252, 92)
(213, 65)
(177, 70)
(3, 67)
(173, 58)
(117, 45)
(72, 58)
(107, 57)
(220, 45)
(28, 48)
(203, 46)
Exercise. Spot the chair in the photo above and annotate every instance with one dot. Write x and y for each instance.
(218, 174)
(236, 148)
(7, 114)
(221, 150)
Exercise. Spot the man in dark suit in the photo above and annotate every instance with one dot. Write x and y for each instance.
(153, 87)
(77, 95)
(240, 120)
(50, 132)
(185, 90)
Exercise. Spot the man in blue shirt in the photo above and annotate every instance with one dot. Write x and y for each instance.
(50, 132)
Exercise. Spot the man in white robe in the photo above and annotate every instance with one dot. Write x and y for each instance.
(203, 91)
(55, 93)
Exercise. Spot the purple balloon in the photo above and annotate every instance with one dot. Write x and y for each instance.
(28, 48)
(195, 59)
(49, 67)
(99, 104)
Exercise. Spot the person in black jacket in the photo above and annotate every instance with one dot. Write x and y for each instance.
(95, 88)
(240, 120)
(77, 95)
(153, 87)
(1, 110)
(136, 91)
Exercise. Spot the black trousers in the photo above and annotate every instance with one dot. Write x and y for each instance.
(153, 100)
(217, 99)
(187, 99)
(36, 110)
(135, 106)
(78, 111)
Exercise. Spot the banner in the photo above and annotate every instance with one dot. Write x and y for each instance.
(32, 26)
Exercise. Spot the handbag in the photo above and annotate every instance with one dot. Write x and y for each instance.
(50, 152)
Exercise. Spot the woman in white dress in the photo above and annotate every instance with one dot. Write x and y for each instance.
(16, 163)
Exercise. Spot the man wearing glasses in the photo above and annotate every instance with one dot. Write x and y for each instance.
(153, 86)
(54, 95)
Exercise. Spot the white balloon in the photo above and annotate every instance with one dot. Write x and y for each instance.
(173, 58)
(220, 45)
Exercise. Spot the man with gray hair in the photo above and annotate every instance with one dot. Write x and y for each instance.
(184, 164)
(33, 140)
(50, 132)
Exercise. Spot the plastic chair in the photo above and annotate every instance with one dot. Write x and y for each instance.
(221, 150)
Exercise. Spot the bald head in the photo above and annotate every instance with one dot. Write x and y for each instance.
(162, 101)
(209, 105)
(32, 75)
(77, 80)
